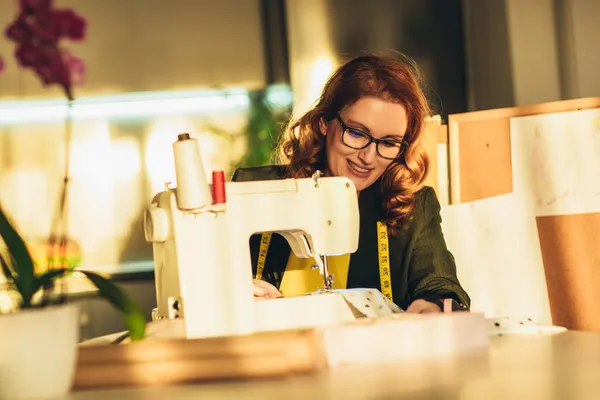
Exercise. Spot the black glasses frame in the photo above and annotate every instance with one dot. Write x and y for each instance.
(346, 128)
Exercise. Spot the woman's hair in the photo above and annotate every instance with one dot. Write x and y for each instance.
(302, 146)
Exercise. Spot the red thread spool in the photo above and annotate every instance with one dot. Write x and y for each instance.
(218, 187)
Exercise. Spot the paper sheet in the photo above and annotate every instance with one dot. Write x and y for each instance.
(498, 256)
(369, 303)
(556, 160)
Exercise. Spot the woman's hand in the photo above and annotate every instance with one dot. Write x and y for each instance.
(421, 306)
(264, 290)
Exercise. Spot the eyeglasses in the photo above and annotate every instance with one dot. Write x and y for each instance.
(389, 149)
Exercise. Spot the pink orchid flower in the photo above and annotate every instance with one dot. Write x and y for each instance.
(37, 31)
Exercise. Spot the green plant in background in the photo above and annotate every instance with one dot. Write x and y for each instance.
(18, 268)
(265, 123)
(266, 120)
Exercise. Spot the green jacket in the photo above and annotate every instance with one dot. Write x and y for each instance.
(420, 264)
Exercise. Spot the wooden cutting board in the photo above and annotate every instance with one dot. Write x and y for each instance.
(179, 361)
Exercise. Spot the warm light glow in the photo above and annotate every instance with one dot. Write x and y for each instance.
(125, 159)
(125, 106)
(320, 70)
(92, 192)
(6, 302)
(90, 151)
(313, 75)
(23, 191)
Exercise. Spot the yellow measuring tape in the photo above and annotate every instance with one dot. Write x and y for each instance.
(265, 240)
(382, 251)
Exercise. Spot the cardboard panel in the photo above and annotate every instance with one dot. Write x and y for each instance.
(479, 148)
(442, 134)
(430, 143)
(571, 253)
(482, 149)
(435, 133)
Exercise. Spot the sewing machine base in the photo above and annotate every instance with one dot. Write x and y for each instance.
(348, 337)
(277, 315)
(311, 310)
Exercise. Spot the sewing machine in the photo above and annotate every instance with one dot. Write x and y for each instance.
(200, 234)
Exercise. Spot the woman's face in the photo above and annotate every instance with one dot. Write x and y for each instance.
(372, 116)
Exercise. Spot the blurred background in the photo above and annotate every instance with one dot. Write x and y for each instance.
(231, 73)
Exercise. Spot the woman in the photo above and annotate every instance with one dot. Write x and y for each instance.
(366, 126)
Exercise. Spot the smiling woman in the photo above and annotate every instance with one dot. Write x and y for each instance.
(348, 146)
(367, 126)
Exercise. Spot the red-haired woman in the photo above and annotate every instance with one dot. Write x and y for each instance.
(366, 126)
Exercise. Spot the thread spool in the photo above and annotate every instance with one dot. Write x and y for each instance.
(192, 188)
(218, 187)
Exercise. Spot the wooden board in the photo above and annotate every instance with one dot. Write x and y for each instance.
(179, 361)
(571, 253)
(479, 148)
(434, 133)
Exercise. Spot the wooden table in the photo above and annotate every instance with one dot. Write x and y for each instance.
(532, 366)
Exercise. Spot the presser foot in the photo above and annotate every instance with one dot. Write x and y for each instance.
(328, 283)
(321, 264)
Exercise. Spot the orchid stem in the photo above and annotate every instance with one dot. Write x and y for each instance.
(60, 222)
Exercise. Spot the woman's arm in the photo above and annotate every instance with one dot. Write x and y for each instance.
(432, 271)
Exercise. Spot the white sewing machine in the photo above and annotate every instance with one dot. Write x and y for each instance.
(201, 241)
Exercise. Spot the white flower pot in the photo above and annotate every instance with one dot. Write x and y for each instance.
(38, 352)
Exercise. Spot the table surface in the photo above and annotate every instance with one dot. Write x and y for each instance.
(515, 366)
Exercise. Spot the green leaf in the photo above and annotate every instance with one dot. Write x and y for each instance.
(132, 314)
(6, 269)
(25, 279)
(47, 276)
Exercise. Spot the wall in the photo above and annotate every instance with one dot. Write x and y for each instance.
(584, 31)
(529, 52)
(488, 59)
(429, 31)
(138, 45)
(533, 39)
(312, 57)
(324, 33)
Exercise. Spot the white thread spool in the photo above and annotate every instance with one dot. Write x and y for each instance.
(192, 187)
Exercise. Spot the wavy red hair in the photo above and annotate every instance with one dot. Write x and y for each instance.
(302, 146)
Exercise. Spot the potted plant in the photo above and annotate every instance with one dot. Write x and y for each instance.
(38, 327)
(39, 335)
